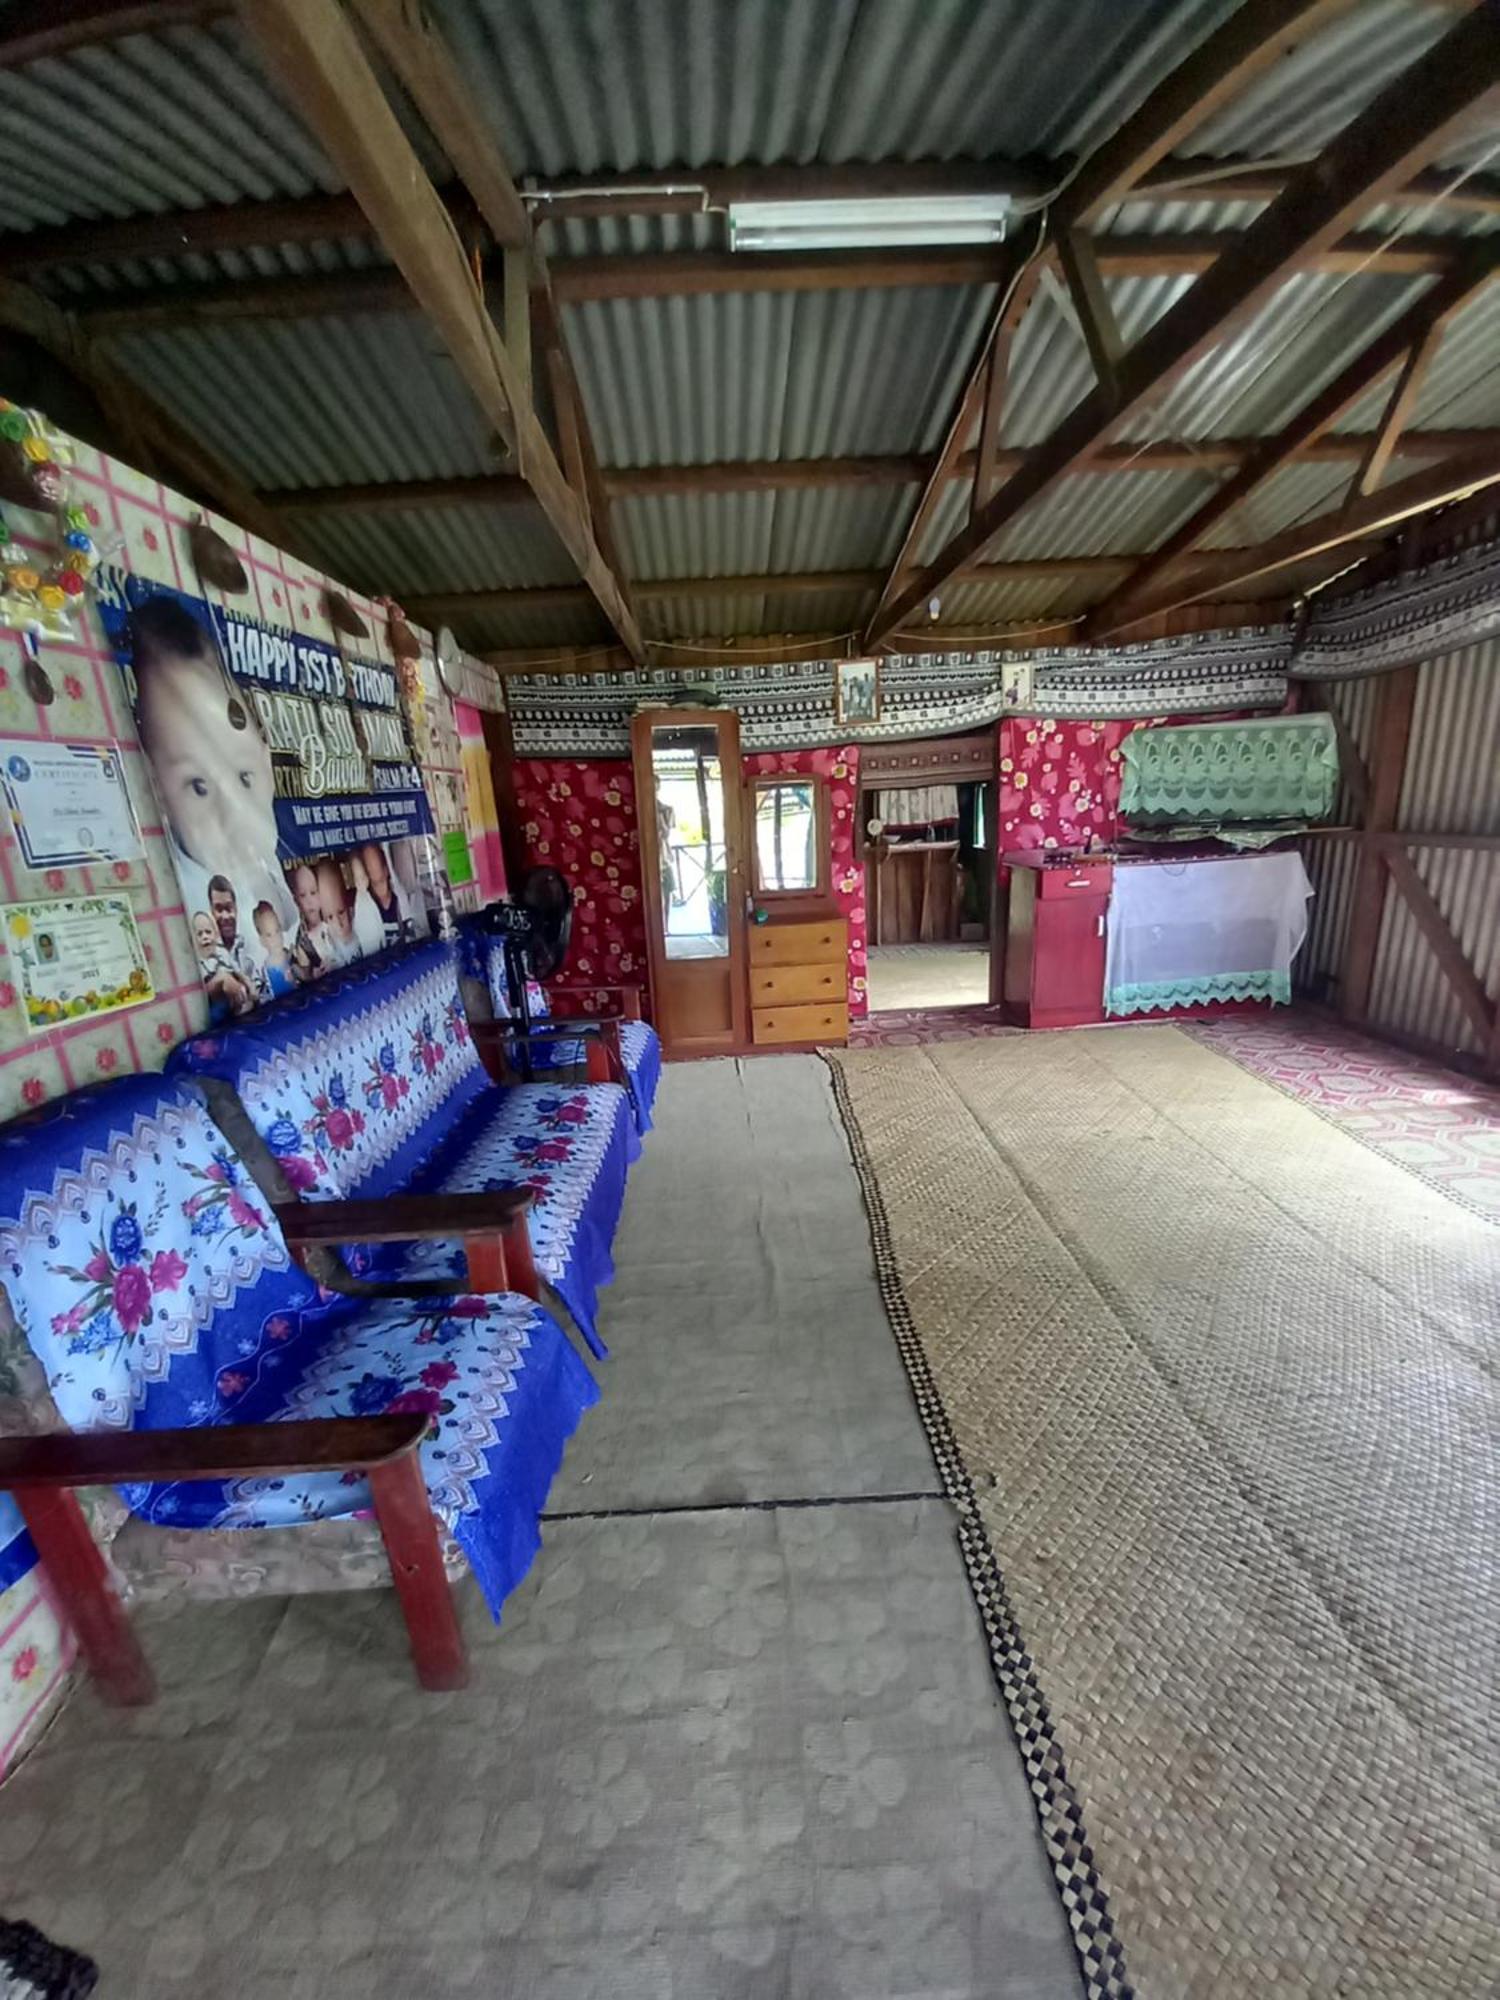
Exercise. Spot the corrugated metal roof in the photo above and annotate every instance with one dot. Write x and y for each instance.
(740, 534)
(596, 86)
(185, 117)
(676, 381)
(1294, 109)
(721, 618)
(433, 550)
(317, 401)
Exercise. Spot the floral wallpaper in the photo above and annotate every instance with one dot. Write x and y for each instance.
(1060, 781)
(840, 767)
(579, 816)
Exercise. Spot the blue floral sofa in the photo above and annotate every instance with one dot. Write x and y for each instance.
(559, 1043)
(368, 1085)
(221, 1388)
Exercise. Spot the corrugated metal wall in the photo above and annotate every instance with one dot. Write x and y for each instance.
(1452, 785)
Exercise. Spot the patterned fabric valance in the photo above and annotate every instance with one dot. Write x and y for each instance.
(918, 805)
(1283, 768)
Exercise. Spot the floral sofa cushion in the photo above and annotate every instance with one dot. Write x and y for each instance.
(352, 1083)
(505, 1391)
(152, 1282)
(142, 1264)
(368, 1084)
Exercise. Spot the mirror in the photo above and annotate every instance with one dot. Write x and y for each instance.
(790, 836)
(688, 778)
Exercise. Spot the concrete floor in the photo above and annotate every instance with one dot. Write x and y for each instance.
(738, 1739)
(928, 975)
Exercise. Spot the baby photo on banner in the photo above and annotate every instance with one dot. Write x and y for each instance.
(292, 798)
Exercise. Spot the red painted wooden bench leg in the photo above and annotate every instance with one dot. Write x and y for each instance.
(595, 1061)
(416, 1558)
(89, 1600)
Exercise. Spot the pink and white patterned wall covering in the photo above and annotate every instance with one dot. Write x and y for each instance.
(142, 526)
(840, 768)
(579, 816)
(1060, 780)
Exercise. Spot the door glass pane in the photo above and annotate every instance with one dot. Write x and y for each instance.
(690, 839)
(786, 826)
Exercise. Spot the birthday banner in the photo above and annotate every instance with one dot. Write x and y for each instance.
(293, 800)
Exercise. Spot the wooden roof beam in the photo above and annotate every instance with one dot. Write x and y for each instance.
(321, 218)
(312, 50)
(454, 604)
(1409, 122)
(1435, 308)
(1363, 522)
(673, 274)
(42, 30)
(1253, 40)
(799, 475)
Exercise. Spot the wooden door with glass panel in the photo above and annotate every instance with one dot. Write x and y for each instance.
(688, 794)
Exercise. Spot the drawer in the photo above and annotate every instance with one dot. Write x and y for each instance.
(798, 944)
(800, 1024)
(792, 985)
(1092, 879)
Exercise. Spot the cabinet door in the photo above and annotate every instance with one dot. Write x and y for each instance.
(1067, 976)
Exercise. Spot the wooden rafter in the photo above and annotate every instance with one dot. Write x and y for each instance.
(976, 404)
(1365, 521)
(1250, 42)
(1223, 63)
(1079, 263)
(796, 475)
(1407, 123)
(428, 71)
(248, 225)
(452, 605)
(579, 280)
(312, 50)
(1399, 406)
(43, 30)
(1307, 429)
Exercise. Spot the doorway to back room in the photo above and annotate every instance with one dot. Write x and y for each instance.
(929, 818)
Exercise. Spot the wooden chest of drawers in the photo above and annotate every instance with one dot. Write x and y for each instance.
(798, 981)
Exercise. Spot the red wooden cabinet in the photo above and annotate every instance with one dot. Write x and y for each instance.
(1054, 946)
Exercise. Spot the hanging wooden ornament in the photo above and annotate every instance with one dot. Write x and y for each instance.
(216, 562)
(342, 616)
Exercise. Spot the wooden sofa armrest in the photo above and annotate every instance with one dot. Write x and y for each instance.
(490, 1222)
(208, 1451)
(41, 1471)
(403, 1218)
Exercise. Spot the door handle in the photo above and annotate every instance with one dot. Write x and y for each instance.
(1099, 925)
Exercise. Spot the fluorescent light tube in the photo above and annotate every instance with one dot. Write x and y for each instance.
(868, 224)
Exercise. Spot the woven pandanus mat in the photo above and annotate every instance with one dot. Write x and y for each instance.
(1213, 1389)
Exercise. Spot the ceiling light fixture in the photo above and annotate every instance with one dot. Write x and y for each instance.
(875, 224)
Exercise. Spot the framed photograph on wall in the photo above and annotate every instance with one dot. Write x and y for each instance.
(856, 692)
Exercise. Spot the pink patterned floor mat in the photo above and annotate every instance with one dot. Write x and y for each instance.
(1438, 1124)
(905, 1027)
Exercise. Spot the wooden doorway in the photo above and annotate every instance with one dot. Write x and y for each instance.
(690, 802)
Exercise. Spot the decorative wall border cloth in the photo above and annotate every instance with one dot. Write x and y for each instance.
(789, 704)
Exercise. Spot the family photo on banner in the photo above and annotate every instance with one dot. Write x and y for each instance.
(291, 796)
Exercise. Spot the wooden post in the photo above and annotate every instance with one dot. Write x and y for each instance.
(411, 1541)
(71, 1558)
(1398, 696)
